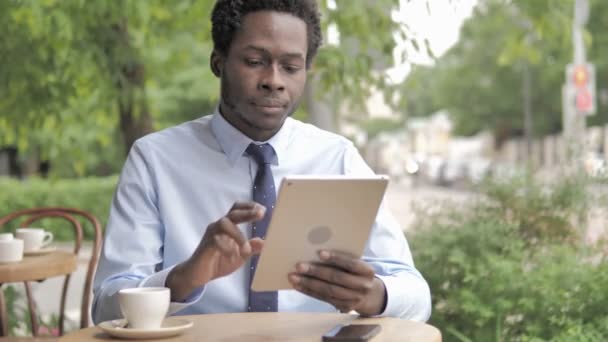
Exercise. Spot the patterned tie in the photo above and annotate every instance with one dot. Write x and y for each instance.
(263, 193)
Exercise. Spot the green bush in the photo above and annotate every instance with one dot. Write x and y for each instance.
(91, 194)
(18, 314)
(511, 265)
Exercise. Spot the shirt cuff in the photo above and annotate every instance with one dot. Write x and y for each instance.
(392, 308)
(159, 279)
(408, 301)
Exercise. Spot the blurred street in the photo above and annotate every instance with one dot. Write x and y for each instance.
(404, 199)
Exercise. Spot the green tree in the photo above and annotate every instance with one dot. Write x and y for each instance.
(419, 97)
(345, 72)
(598, 55)
(481, 79)
(78, 70)
(85, 79)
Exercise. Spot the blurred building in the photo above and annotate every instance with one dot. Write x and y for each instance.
(420, 140)
(430, 136)
(427, 150)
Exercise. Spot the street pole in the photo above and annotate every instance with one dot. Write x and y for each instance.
(574, 122)
(526, 89)
(527, 109)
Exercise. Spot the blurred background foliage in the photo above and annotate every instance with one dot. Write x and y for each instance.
(514, 265)
(92, 194)
(480, 79)
(88, 78)
(85, 79)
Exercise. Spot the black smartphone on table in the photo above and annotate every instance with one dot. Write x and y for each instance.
(351, 332)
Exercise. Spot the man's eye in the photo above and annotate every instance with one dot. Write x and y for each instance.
(292, 69)
(253, 62)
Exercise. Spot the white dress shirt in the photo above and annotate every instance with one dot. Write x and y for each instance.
(177, 181)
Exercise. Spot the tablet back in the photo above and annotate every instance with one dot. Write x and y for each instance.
(314, 213)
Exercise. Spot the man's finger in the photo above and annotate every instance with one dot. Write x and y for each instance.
(257, 245)
(347, 262)
(341, 304)
(246, 214)
(226, 226)
(226, 245)
(326, 290)
(337, 276)
(244, 205)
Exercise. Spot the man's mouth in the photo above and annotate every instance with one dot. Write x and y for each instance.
(270, 106)
(269, 102)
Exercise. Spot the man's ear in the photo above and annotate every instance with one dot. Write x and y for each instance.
(217, 63)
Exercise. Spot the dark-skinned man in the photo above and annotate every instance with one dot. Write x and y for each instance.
(184, 217)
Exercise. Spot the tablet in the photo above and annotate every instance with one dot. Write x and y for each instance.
(314, 213)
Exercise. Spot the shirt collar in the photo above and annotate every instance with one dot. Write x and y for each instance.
(234, 143)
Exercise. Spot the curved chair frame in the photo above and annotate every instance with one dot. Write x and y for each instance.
(36, 214)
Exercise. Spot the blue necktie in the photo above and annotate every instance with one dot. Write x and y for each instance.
(263, 193)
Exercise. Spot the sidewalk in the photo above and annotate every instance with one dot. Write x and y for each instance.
(403, 200)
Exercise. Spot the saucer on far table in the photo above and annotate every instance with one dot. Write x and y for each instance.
(41, 251)
(171, 326)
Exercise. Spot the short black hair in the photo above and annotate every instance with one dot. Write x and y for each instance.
(227, 18)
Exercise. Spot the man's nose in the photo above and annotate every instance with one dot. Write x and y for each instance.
(271, 79)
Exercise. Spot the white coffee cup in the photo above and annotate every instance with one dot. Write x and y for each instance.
(33, 238)
(11, 250)
(144, 307)
(6, 236)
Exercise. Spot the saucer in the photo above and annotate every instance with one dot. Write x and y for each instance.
(171, 326)
(41, 251)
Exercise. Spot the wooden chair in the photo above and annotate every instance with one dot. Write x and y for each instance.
(73, 216)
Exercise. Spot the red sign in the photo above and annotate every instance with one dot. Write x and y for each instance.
(584, 101)
(580, 87)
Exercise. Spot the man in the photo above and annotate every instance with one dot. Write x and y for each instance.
(183, 215)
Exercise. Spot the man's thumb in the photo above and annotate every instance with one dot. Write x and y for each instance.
(256, 245)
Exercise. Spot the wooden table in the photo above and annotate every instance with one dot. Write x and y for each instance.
(277, 327)
(38, 267)
(29, 339)
(34, 268)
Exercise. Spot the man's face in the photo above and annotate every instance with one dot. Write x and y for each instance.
(264, 72)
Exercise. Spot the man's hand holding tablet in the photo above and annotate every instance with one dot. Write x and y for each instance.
(316, 238)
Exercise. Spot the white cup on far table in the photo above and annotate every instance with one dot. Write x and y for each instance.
(11, 250)
(144, 307)
(34, 238)
(6, 236)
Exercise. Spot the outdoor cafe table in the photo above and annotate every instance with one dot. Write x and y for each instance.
(34, 268)
(280, 326)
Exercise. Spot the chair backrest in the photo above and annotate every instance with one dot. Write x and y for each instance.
(73, 216)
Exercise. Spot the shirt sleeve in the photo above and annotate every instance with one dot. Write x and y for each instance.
(387, 251)
(132, 253)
